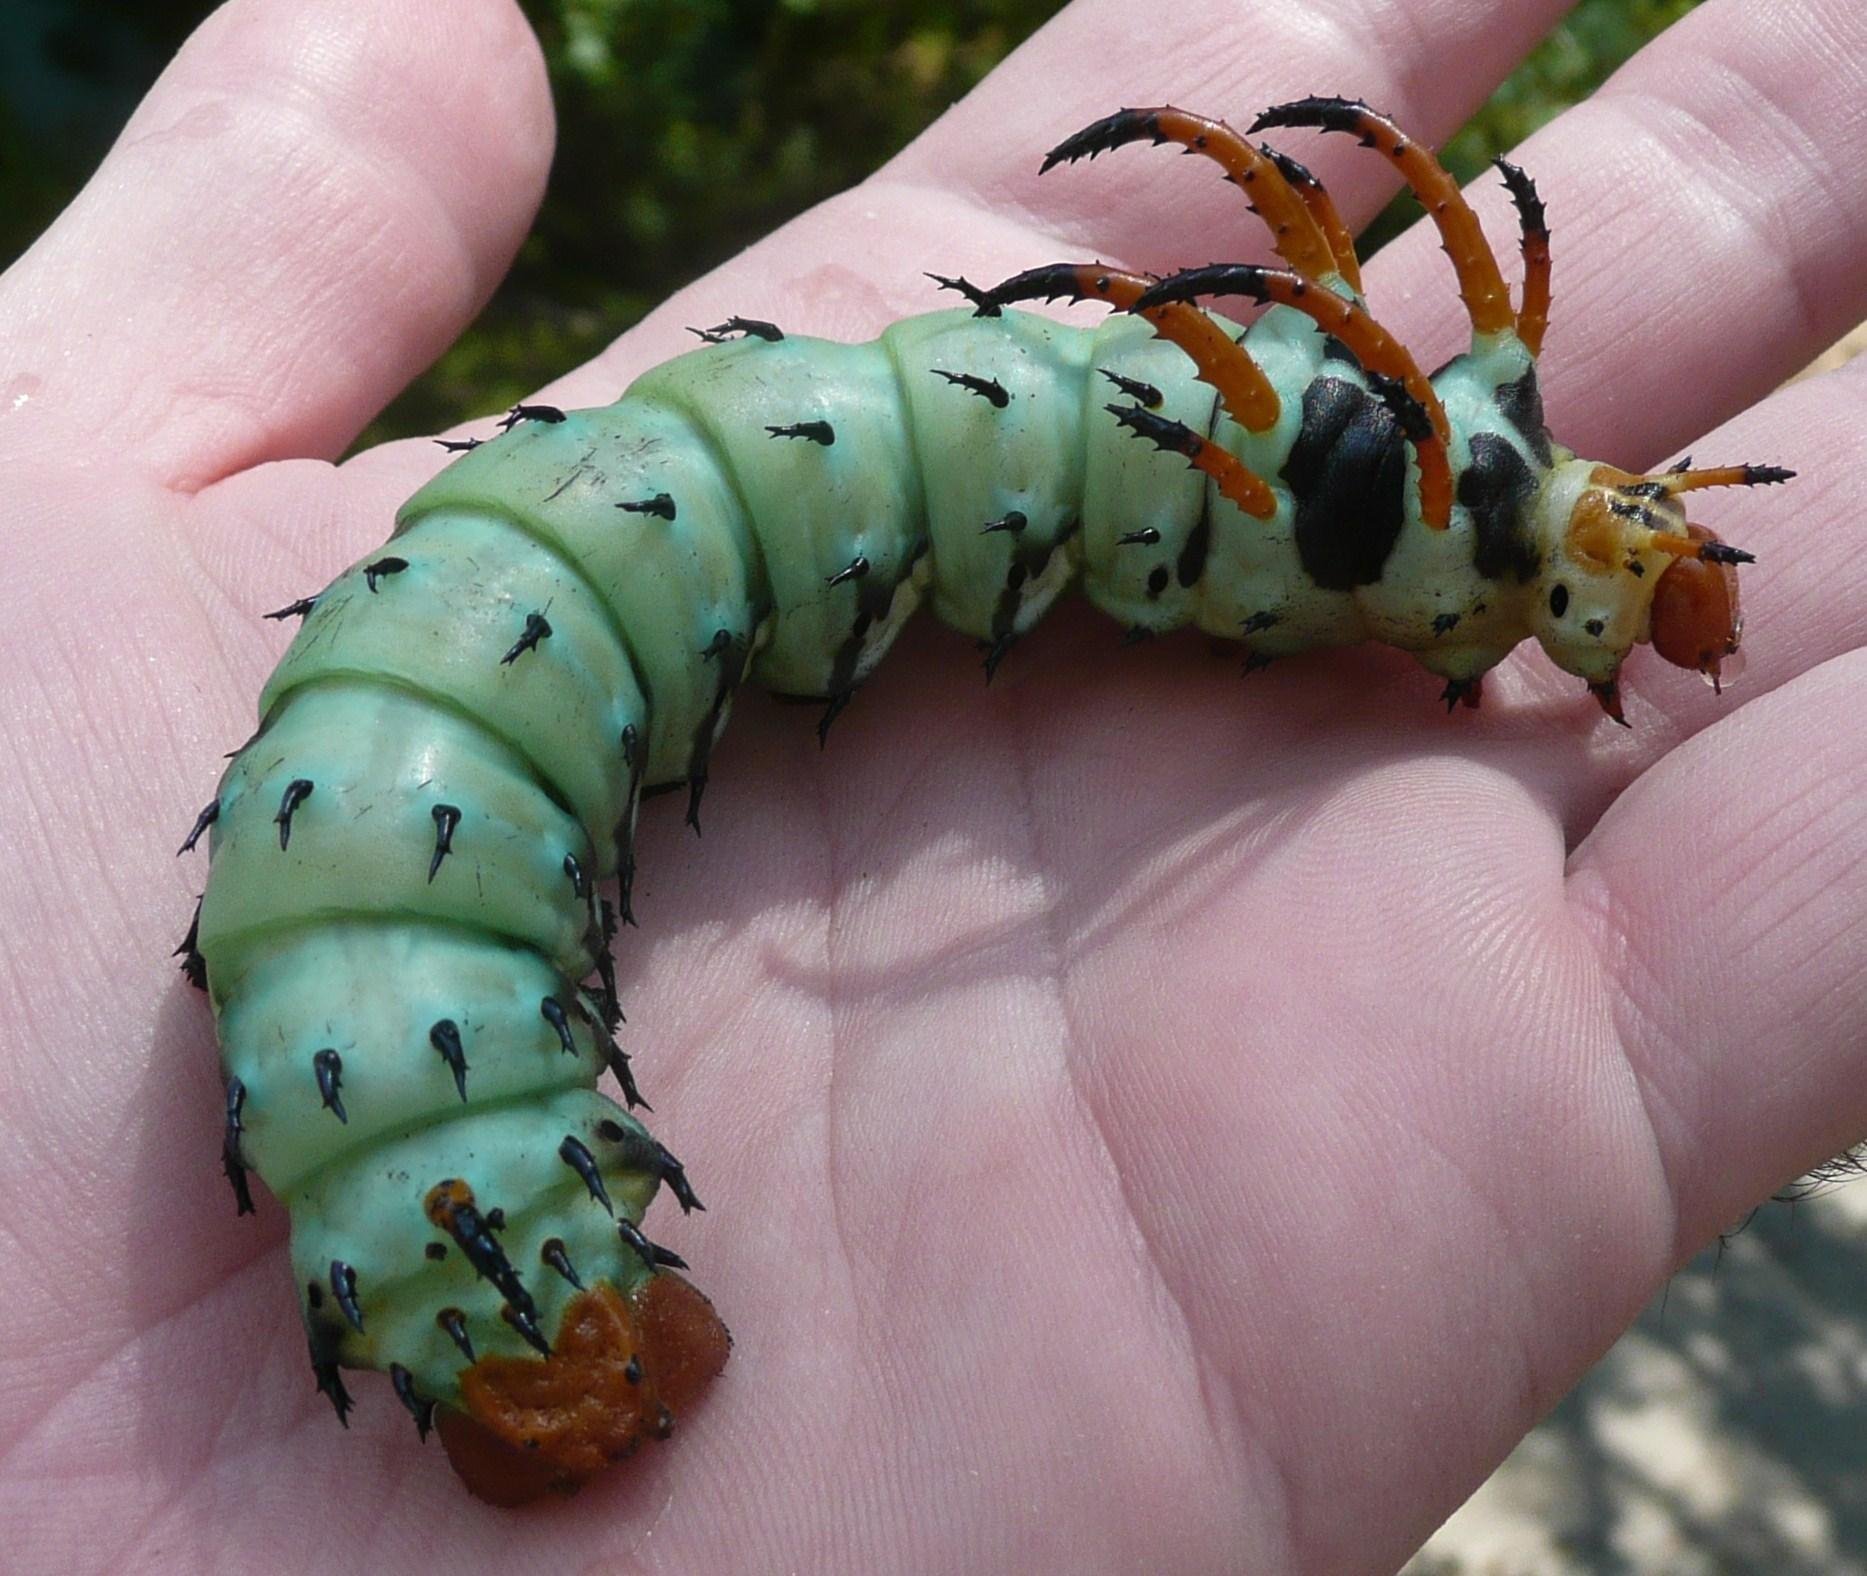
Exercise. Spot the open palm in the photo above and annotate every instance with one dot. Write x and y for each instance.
(1150, 1120)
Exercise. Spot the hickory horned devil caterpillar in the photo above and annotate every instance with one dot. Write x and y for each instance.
(402, 902)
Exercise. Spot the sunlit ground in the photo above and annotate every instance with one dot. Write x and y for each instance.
(1725, 1433)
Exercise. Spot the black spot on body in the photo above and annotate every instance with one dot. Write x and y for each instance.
(1521, 404)
(1192, 560)
(1348, 472)
(1497, 487)
(1157, 579)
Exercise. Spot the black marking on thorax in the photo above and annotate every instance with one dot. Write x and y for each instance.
(1347, 471)
(1521, 404)
(1497, 487)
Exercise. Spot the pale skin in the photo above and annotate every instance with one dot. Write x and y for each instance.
(1147, 1118)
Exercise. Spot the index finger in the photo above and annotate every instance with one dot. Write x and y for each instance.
(1222, 60)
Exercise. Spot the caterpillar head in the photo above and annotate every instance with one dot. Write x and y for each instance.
(1622, 564)
(1696, 620)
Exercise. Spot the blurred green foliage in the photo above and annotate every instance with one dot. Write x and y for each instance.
(1597, 37)
(686, 129)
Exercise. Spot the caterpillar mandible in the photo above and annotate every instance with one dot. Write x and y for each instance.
(402, 917)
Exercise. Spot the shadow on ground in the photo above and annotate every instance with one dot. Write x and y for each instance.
(1726, 1433)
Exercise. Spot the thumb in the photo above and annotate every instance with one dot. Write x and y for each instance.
(312, 201)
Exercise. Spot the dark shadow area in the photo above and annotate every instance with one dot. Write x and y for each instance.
(1724, 1433)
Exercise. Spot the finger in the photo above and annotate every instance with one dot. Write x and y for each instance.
(1726, 891)
(311, 202)
(1154, 210)
(1709, 210)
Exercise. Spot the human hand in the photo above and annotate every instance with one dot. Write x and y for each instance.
(1149, 1121)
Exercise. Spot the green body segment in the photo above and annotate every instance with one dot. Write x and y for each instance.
(477, 708)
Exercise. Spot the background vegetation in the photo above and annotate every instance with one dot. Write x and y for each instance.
(687, 128)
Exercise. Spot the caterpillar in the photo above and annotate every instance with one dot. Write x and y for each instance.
(402, 937)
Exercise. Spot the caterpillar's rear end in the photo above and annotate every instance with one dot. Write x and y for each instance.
(402, 905)
(403, 911)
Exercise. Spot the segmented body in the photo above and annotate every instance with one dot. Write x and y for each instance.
(403, 903)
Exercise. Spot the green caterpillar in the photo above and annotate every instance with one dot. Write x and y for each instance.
(402, 906)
